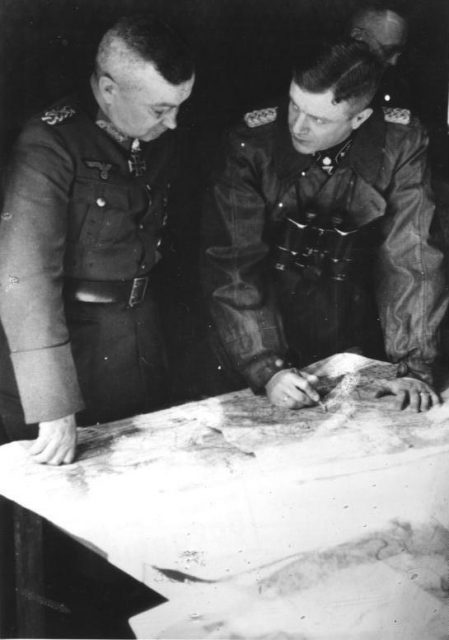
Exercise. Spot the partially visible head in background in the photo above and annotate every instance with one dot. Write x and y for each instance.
(144, 71)
(383, 25)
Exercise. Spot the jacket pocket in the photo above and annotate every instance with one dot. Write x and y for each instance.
(99, 213)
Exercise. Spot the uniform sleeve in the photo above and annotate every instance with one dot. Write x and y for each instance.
(235, 267)
(412, 295)
(32, 245)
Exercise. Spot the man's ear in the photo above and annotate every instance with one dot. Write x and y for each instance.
(107, 87)
(361, 117)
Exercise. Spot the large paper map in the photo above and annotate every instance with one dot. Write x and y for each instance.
(257, 521)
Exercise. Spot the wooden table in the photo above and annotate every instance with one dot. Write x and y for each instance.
(258, 522)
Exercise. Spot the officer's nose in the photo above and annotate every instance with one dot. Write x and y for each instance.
(300, 124)
(170, 119)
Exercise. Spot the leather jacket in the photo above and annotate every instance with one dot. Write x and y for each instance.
(383, 187)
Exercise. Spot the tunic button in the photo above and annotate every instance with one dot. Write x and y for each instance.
(140, 226)
(158, 243)
(303, 173)
(101, 202)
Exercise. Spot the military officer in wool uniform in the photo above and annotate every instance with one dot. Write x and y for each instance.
(317, 235)
(82, 230)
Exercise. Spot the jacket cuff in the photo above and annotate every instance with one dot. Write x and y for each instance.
(47, 382)
(260, 371)
(416, 369)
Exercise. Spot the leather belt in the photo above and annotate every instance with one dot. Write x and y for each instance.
(131, 292)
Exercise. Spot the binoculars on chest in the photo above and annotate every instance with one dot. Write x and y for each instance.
(319, 245)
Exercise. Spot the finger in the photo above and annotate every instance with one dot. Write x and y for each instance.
(47, 454)
(293, 399)
(38, 446)
(59, 454)
(414, 400)
(401, 400)
(42, 458)
(303, 385)
(302, 400)
(288, 403)
(434, 399)
(56, 460)
(69, 456)
(297, 394)
(426, 401)
(282, 399)
(310, 377)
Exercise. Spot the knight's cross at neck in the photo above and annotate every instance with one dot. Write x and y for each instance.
(136, 163)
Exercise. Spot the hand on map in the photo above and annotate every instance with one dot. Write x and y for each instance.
(56, 442)
(292, 389)
(409, 392)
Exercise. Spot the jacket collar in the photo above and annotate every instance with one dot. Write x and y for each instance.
(365, 155)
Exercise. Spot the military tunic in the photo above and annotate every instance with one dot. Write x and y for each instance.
(74, 212)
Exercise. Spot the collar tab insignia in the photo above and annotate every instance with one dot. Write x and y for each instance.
(58, 115)
(260, 117)
(112, 131)
(397, 115)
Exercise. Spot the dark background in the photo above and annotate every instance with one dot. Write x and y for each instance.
(242, 48)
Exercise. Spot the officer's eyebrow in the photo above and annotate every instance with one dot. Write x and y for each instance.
(311, 115)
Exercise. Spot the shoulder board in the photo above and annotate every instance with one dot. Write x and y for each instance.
(58, 114)
(260, 117)
(397, 116)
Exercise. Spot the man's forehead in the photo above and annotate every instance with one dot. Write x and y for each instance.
(319, 105)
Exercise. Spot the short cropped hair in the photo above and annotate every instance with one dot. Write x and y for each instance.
(347, 67)
(148, 39)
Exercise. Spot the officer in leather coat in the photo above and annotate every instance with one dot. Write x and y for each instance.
(317, 232)
(82, 229)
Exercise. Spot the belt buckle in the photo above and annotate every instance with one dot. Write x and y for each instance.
(138, 290)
